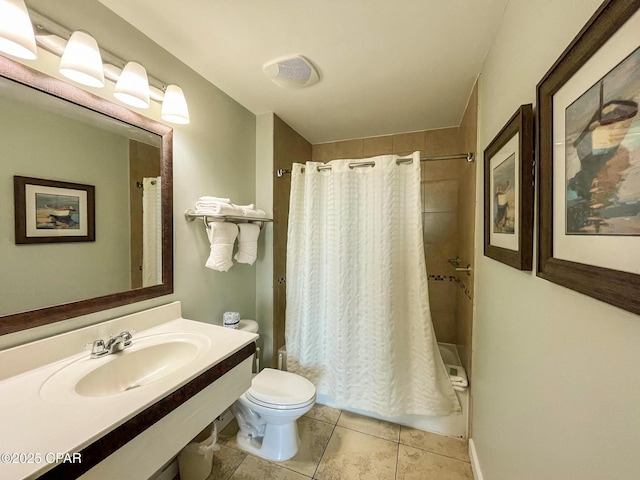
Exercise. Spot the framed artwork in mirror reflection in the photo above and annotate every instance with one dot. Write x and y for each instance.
(51, 211)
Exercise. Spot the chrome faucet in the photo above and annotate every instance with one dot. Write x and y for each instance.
(113, 345)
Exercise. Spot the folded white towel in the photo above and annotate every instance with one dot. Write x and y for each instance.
(222, 236)
(214, 199)
(247, 243)
(457, 375)
(251, 206)
(459, 389)
(218, 209)
(254, 213)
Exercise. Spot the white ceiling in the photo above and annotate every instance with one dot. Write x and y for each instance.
(386, 66)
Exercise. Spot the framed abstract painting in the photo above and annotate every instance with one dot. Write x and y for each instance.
(589, 160)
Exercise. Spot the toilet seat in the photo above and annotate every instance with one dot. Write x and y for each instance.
(281, 390)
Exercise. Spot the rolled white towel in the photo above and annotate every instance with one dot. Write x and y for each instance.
(222, 236)
(459, 389)
(457, 375)
(247, 243)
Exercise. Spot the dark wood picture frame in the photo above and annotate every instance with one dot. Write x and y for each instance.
(521, 124)
(616, 287)
(22, 213)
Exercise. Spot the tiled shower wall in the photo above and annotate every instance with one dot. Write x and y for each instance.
(289, 147)
(448, 205)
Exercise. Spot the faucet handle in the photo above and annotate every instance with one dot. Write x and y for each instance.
(98, 348)
(127, 337)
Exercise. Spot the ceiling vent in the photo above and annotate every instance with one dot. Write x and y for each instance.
(292, 72)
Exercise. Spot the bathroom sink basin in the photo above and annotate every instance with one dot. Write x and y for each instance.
(146, 361)
(133, 369)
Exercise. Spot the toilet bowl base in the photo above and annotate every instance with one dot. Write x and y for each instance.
(279, 443)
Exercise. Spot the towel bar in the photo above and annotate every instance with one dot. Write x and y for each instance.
(464, 269)
(191, 215)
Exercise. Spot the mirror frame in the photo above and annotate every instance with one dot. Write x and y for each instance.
(43, 82)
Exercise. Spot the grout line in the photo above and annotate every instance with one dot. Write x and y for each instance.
(315, 472)
(236, 469)
(397, 462)
(436, 453)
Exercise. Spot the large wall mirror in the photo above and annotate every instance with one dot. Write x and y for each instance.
(55, 136)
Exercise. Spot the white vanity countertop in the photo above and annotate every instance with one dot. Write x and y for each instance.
(38, 427)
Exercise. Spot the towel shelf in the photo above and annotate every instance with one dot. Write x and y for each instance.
(191, 215)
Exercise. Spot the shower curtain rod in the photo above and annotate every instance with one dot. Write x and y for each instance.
(469, 157)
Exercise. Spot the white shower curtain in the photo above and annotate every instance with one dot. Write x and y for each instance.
(358, 323)
(151, 231)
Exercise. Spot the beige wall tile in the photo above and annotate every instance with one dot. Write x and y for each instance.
(440, 170)
(437, 257)
(440, 196)
(442, 295)
(464, 329)
(466, 231)
(349, 149)
(374, 146)
(323, 152)
(288, 147)
(440, 227)
(444, 325)
(445, 141)
(405, 143)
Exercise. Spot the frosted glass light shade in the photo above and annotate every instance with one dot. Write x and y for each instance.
(174, 106)
(133, 86)
(16, 31)
(81, 60)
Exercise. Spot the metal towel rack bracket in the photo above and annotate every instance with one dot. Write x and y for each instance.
(191, 215)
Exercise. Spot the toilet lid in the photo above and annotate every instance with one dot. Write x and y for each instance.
(276, 387)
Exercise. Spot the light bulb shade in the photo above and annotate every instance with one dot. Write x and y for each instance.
(133, 86)
(81, 60)
(16, 31)
(174, 106)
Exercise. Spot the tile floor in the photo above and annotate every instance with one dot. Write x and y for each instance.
(338, 445)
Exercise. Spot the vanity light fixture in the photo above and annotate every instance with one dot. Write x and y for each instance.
(16, 31)
(84, 62)
(81, 60)
(174, 106)
(132, 87)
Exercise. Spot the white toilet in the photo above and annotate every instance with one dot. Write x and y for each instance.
(267, 413)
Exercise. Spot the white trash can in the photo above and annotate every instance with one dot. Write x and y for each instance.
(195, 461)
